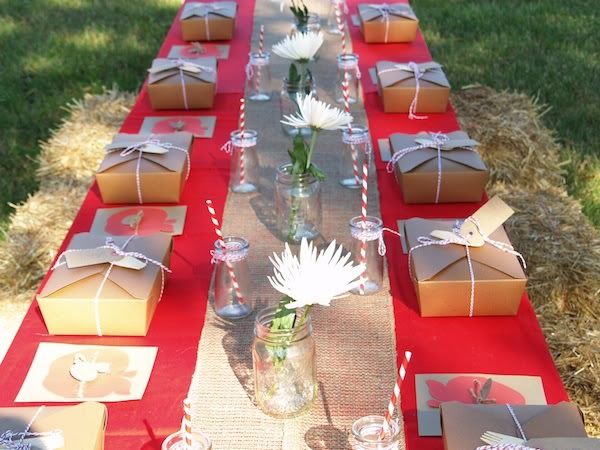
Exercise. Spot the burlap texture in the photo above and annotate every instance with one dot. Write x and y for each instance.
(356, 352)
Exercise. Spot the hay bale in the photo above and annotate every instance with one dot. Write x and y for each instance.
(515, 144)
(37, 227)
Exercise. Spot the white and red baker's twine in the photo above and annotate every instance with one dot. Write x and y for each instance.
(219, 233)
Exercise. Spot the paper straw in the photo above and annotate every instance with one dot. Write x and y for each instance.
(187, 422)
(219, 233)
(341, 25)
(387, 423)
(261, 40)
(346, 95)
(242, 124)
(363, 213)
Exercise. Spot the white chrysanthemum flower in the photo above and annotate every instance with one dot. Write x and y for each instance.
(300, 47)
(314, 113)
(315, 277)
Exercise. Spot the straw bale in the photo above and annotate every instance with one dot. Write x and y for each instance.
(515, 144)
(37, 227)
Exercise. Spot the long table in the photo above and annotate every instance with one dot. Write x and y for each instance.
(507, 345)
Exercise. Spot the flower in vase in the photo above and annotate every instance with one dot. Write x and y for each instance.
(314, 277)
(300, 47)
(315, 114)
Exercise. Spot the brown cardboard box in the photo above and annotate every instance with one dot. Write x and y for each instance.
(208, 21)
(387, 23)
(463, 425)
(126, 302)
(440, 274)
(82, 425)
(463, 173)
(166, 90)
(161, 175)
(397, 87)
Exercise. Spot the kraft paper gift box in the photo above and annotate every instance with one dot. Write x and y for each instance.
(94, 291)
(383, 23)
(439, 264)
(208, 21)
(164, 165)
(461, 175)
(182, 84)
(463, 425)
(80, 427)
(397, 86)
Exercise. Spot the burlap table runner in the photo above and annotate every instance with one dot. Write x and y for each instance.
(356, 352)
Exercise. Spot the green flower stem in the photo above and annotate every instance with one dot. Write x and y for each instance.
(294, 209)
(313, 142)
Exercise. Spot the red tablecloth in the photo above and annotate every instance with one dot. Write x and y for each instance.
(508, 345)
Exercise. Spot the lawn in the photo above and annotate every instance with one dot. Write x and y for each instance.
(54, 50)
(545, 48)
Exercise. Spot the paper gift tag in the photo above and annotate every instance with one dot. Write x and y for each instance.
(199, 126)
(434, 389)
(154, 149)
(490, 217)
(143, 220)
(49, 378)
(355, 20)
(385, 150)
(373, 75)
(219, 51)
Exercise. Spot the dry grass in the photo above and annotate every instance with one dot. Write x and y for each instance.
(560, 245)
(67, 164)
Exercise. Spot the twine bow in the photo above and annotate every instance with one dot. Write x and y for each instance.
(505, 447)
(418, 74)
(119, 251)
(367, 234)
(242, 141)
(384, 9)
(183, 67)
(440, 142)
(26, 440)
(458, 239)
(145, 146)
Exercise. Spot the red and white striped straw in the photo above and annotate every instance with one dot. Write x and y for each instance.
(346, 95)
(219, 233)
(363, 212)
(187, 423)
(341, 25)
(242, 124)
(387, 423)
(261, 40)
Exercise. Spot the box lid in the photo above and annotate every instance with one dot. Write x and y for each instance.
(391, 73)
(196, 9)
(372, 11)
(202, 69)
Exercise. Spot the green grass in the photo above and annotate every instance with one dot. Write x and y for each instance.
(545, 48)
(54, 50)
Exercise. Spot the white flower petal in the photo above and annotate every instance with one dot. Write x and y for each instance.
(313, 113)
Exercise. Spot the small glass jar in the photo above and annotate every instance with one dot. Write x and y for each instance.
(258, 77)
(285, 371)
(366, 431)
(357, 147)
(243, 174)
(347, 66)
(288, 101)
(297, 205)
(312, 24)
(332, 25)
(233, 286)
(366, 236)
(176, 441)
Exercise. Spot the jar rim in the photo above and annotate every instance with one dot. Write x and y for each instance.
(248, 134)
(262, 330)
(373, 222)
(239, 244)
(359, 424)
(355, 130)
(285, 177)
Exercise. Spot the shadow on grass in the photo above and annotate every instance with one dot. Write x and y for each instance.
(55, 50)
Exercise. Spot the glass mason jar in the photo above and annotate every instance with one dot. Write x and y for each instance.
(357, 147)
(285, 372)
(243, 173)
(258, 77)
(288, 101)
(332, 25)
(366, 432)
(233, 285)
(176, 441)
(297, 205)
(366, 235)
(347, 66)
(312, 24)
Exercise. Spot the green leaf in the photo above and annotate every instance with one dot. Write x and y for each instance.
(284, 318)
